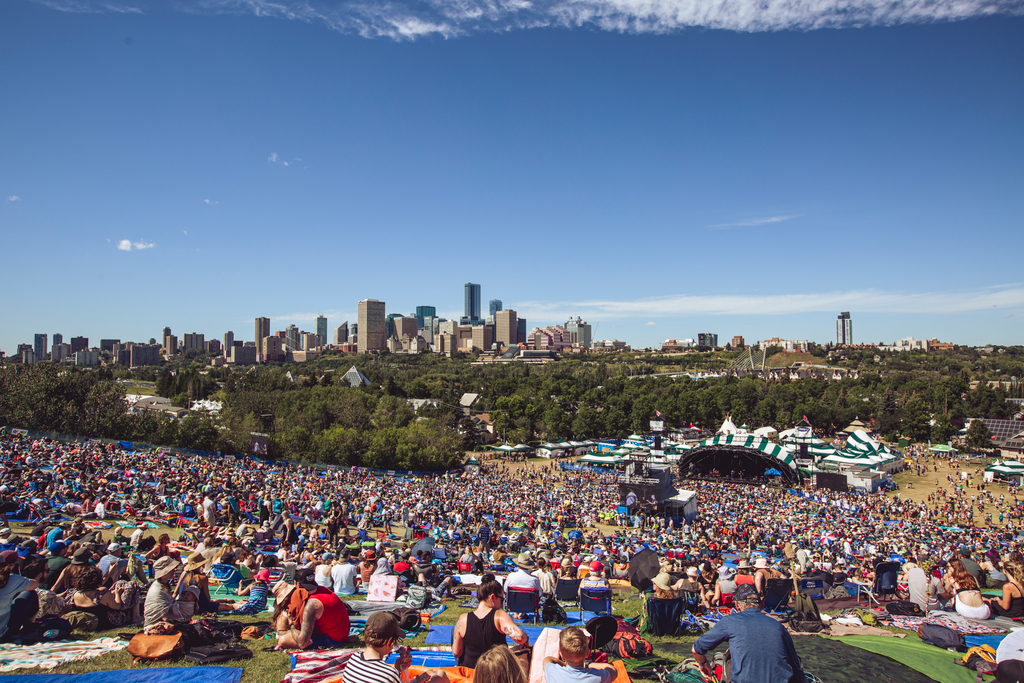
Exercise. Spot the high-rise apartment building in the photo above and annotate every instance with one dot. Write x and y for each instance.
(423, 312)
(738, 342)
(291, 334)
(406, 327)
(143, 354)
(341, 333)
(372, 329)
(170, 344)
(321, 330)
(58, 339)
(472, 304)
(506, 327)
(212, 346)
(194, 342)
(493, 307)
(579, 332)
(262, 330)
(844, 329)
(707, 339)
(79, 344)
(107, 345)
(309, 341)
(521, 327)
(273, 349)
(389, 324)
(39, 347)
(483, 337)
(229, 341)
(60, 352)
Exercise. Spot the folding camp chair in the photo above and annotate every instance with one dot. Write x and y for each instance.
(465, 567)
(692, 599)
(276, 574)
(665, 614)
(224, 579)
(567, 590)
(886, 574)
(596, 600)
(524, 601)
(813, 587)
(776, 594)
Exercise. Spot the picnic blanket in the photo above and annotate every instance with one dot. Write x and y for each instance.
(205, 674)
(964, 627)
(49, 655)
(914, 653)
(314, 667)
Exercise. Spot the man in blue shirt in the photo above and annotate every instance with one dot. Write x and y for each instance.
(760, 648)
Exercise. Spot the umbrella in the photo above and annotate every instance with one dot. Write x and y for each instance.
(424, 545)
(643, 567)
(575, 534)
(773, 472)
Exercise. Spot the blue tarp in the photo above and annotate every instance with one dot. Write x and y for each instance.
(442, 635)
(175, 674)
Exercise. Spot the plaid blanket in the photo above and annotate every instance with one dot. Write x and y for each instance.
(49, 655)
(963, 627)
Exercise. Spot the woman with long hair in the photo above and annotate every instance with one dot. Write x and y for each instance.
(1011, 604)
(966, 594)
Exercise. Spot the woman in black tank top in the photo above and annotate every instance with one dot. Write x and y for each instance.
(478, 631)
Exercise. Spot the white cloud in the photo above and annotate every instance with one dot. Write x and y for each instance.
(14, 198)
(208, 201)
(650, 324)
(128, 245)
(272, 158)
(864, 301)
(411, 19)
(753, 221)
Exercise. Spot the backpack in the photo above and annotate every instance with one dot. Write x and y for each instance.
(408, 618)
(942, 636)
(626, 627)
(805, 618)
(904, 608)
(628, 646)
(221, 652)
(417, 596)
(981, 658)
(552, 612)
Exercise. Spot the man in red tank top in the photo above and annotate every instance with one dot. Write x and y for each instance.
(325, 623)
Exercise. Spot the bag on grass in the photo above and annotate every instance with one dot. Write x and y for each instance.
(628, 646)
(942, 636)
(145, 648)
(552, 612)
(82, 621)
(806, 618)
(904, 608)
(981, 658)
(221, 652)
(417, 596)
(408, 618)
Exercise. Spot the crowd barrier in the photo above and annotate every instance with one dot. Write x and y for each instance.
(821, 499)
(176, 451)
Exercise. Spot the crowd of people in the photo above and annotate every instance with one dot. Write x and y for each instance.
(309, 537)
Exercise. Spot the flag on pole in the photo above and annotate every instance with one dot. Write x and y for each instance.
(658, 413)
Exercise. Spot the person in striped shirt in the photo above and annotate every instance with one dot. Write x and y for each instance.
(382, 633)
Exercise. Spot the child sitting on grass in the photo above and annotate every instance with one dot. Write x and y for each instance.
(257, 591)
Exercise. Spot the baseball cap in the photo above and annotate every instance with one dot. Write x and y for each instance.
(746, 593)
(114, 547)
(383, 626)
(56, 547)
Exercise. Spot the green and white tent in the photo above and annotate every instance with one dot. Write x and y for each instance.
(522, 448)
(780, 453)
(503, 448)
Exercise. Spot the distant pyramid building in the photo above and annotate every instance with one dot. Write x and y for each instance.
(355, 378)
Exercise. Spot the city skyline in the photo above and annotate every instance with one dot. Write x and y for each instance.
(743, 179)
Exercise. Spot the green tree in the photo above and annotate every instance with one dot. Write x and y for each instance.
(943, 430)
(979, 436)
(916, 419)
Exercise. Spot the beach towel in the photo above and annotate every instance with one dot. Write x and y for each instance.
(546, 646)
(317, 667)
(47, 655)
(962, 626)
(442, 635)
(912, 652)
(206, 674)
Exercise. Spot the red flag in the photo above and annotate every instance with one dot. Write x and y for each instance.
(805, 419)
(658, 413)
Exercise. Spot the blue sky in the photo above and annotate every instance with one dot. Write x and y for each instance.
(738, 167)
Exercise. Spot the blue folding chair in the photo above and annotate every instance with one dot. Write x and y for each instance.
(666, 615)
(225, 579)
(596, 600)
(523, 600)
(813, 587)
